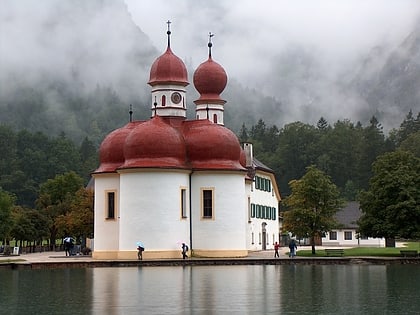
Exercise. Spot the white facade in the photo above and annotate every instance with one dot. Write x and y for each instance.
(350, 237)
(263, 212)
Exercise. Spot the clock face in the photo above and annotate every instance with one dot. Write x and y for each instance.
(176, 97)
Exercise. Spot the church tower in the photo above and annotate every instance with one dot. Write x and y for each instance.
(168, 79)
(210, 80)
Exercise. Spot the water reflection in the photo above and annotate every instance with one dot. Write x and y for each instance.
(289, 289)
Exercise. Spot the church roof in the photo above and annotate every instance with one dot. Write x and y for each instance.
(163, 142)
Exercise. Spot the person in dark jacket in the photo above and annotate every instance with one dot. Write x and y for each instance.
(184, 250)
(292, 247)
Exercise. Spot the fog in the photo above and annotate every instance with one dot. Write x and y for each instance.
(249, 34)
(293, 51)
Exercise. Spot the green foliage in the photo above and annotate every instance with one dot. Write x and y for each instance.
(366, 251)
(412, 143)
(56, 198)
(312, 205)
(30, 159)
(6, 206)
(78, 221)
(29, 225)
(391, 205)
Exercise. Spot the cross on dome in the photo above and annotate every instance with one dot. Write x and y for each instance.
(210, 43)
(169, 32)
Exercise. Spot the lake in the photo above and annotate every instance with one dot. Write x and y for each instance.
(253, 289)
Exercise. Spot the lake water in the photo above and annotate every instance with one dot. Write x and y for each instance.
(270, 289)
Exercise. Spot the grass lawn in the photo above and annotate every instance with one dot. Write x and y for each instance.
(8, 261)
(365, 251)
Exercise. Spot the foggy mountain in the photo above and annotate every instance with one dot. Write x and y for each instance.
(388, 80)
(75, 66)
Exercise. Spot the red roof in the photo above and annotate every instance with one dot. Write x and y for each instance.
(210, 80)
(171, 143)
(168, 69)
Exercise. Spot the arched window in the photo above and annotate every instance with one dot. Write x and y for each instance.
(163, 100)
(215, 118)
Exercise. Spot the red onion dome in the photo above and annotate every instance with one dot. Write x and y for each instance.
(211, 146)
(111, 151)
(155, 144)
(210, 80)
(168, 69)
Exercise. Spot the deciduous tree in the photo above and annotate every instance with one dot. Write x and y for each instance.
(391, 205)
(312, 205)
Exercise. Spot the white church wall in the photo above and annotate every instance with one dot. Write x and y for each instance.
(151, 210)
(106, 230)
(227, 229)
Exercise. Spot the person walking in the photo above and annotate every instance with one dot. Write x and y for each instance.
(276, 250)
(184, 250)
(292, 248)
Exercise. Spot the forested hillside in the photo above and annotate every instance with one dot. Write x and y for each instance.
(70, 72)
(344, 150)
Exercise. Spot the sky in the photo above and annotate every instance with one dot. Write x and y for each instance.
(249, 33)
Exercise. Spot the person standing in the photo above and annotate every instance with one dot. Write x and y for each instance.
(184, 251)
(68, 246)
(276, 250)
(140, 250)
(292, 248)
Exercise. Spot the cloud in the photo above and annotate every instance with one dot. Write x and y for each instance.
(292, 50)
(249, 33)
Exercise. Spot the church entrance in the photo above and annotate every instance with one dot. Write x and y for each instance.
(264, 236)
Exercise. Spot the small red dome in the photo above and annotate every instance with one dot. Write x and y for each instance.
(111, 151)
(155, 143)
(210, 80)
(168, 69)
(211, 146)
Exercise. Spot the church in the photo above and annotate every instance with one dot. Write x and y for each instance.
(169, 180)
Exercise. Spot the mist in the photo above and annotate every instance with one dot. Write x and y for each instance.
(299, 52)
(306, 55)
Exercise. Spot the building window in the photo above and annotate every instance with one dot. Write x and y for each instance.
(273, 213)
(249, 209)
(163, 100)
(252, 210)
(207, 202)
(348, 235)
(183, 203)
(333, 236)
(110, 205)
(263, 184)
(215, 118)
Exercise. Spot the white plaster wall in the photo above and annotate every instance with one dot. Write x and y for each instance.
(371, 241)
(169, 109)
(106, 231)
(266, 198)
(151, 210)
(227, 231)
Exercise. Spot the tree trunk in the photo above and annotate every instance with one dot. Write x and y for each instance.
(389, 242)
(313, 244)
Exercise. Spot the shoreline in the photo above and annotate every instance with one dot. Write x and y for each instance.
(50, 260)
